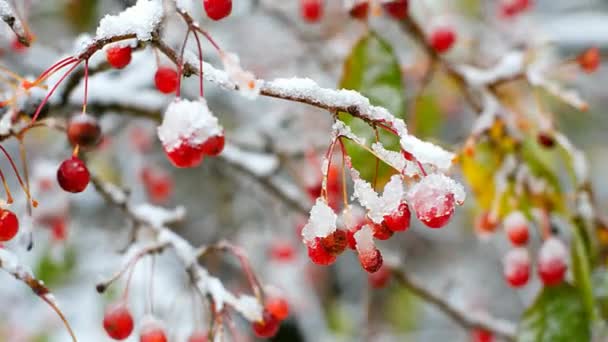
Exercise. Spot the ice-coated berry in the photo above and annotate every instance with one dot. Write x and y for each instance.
(552, 264)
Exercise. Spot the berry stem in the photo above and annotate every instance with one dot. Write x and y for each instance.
(209, 38)
(328, 156)
(50, 93)
(200, 61)
(180, 65)
(377, 167)
(9, 198)
(10, 73)
(26, 176)
(52, 304)
(55, 67)
(344, 191)
(19, 179)
(86, 86)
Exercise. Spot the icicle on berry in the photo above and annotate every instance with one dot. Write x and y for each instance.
(119, 56)
(152, 331)
(379, 279)
(118, 322)
(434, 198)
(282, 251)
(517, 267)
(381, 231)
(516, 227)
(73, 175)
(198, 336)
(360, 10)
(335, 243)
(187, 126)
(312, 10)
(166, 80)
(481, 335)
(399, 220)
(442, 39)
(218, 9)
(214, 145)
(589, 60)
(84, 130)
(9, 225)
(369, 256)
(318, 254)
(485, 224)
(552, 265)
(396, 9)
(278, 307)
(267, 327)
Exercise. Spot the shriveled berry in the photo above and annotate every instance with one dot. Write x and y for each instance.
(185, 155)
(213, 146)
(589, 60)
(552, 265)
(73, 175)
(152, 331)
(9, 225)
(371, 261)
(399, 220)
(481, 335)
(312, 10)
(318, 254)
(379, 279)
(119, 56)
(516, 227)
(517, 267)
(381, 231)
(396, 9)
(198, 336)
(278, 307)
(166, 80)
(442, 39)
(118, 322)
(360, 11)
(84, 130)
(267, 327)
(217, 9)
(335, 243)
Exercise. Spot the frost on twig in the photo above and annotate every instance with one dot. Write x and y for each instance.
(12, 20)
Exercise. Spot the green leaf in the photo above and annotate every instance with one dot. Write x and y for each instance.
(56, 271)
(581, 267)
(373, 70)
(557, 315)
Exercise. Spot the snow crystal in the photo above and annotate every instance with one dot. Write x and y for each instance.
(552, 249)
(189, 121)
(140, 19)
(248, 86)
(427, 153)
(321, 223)
(365, 239)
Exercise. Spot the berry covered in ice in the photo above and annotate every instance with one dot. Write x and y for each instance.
(552, 261)
(166, 79)
(396, 8)
(516, 227)
(118, 321)
(434, 198)
(267, 327)
(381, 231)
(73, 175)
(186, 127)
(119, 56)
(321, 223)
(517, 267)
(218, 9)
(442, 39)
(9, 225)
(84, 130)
(379, 206)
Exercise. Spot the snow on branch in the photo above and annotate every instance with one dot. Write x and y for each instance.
(12, 20)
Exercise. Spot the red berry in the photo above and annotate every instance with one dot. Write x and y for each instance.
(312, 10)
(379, 279)
(516, 227)
(396, 9)
(118, 321)
(481, 335)
(442, 39)
(318, 254)
(198, 336)
(119, 56)
(152, 331)
(517, 267)
(278, 307)
(437, 217)
(485, 223)
(213, 146)
(9, 225)
(589, 60)
(360, 11)
(218, 9)
(267, 327)
(545, 139)
(166, 80)
(552, 265)
(84, 130)
(371, 261)
(73, 175)
(158, 184)
(350, 236)
(381, 231)
(511, 8)
(335, 243)
(399, 220)
(59, 229)
(185, 155)
(282, 251)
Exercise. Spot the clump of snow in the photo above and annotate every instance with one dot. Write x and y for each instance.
(248, 86)
(514, 220)
(379, 206)
(515, 259)
(140, 19)
(249, 307)
(439, 183)
(553, 249)
(365, 240)
(188, 122)
(427, 153)
(322, 221)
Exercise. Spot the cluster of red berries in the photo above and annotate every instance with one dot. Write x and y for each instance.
(185, 155)
(511, 8)
(276, 310)
(551, 261)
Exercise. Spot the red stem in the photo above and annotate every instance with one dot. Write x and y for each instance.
(57, 66)
(86, 85)
(34, 203)
(180, 66)
(200, 61)
(50, 93)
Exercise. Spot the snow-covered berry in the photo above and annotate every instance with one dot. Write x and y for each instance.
(381, 231)
(119, 56)
(318, 254)
(73, 175)
(434, 198)
(517, 267)
(166, 79)
(9, 225)
(516, 227)
(84, 130)
(218, 9)
(399, 220)
(369, 256)
(152, 330)
(552, 261)
(335, 243)
(118, 321)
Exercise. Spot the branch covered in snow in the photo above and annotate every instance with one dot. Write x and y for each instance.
(12, 20)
